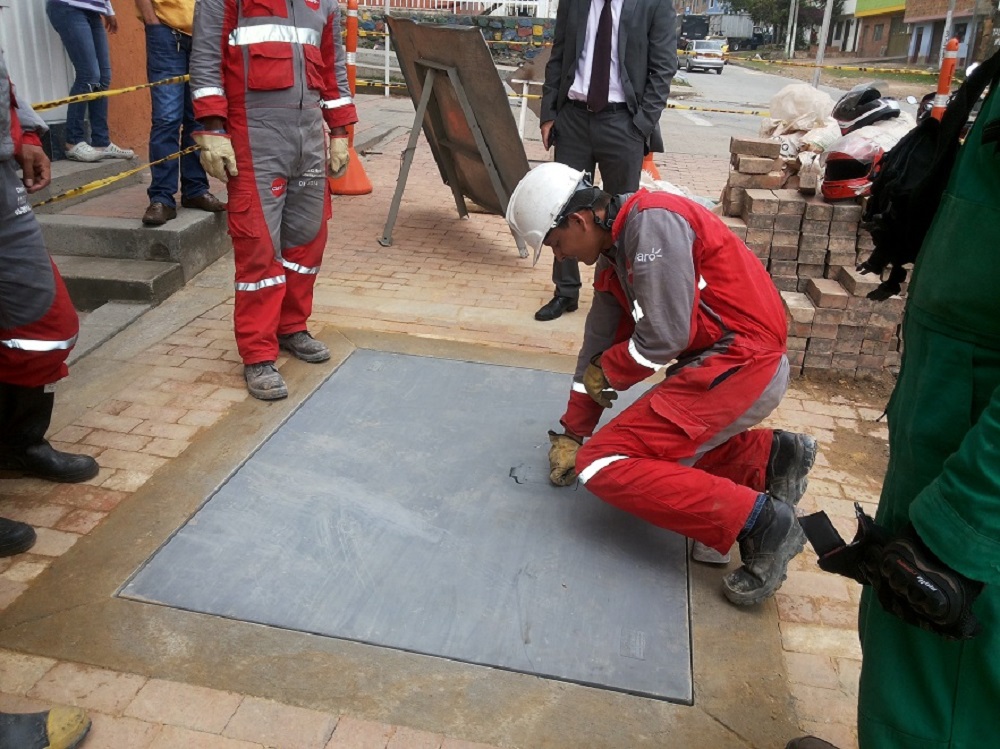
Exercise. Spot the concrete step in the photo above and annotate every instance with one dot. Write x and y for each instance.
(191, 241)
(103, 323)
(93, 281)
(68, 175)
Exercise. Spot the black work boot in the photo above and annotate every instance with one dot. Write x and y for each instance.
(25, 414)
(766, 549)
(58, 728)
(792, 457)
(809, 742)
(15, 537)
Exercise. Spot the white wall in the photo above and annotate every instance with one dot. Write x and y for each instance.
(35, 55)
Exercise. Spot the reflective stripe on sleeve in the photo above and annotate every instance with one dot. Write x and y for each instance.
(640, 359)
(579, 388)
(201, 93)
(588, 473)
(30, 344)
(343, 101)
(272, 32)
(263, 284)
(303, 269)
(637, 313)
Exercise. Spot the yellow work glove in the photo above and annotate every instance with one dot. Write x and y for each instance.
(597, 384)
(340, 155)
(562, 459)
(217, 155)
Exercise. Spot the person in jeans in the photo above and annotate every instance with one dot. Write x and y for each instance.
(168, 50)
(81, 25)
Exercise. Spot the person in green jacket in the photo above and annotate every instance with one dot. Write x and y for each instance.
(920, 690)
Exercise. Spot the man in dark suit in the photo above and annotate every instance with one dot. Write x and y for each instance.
(601, 103)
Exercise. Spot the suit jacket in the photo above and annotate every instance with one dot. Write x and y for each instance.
(647, 60)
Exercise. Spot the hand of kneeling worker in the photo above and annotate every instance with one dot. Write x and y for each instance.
(597, 384)
(562, 459)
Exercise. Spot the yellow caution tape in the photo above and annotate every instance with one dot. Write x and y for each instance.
(880, 71)
(752, 112)
(99, 183)
(76, 98)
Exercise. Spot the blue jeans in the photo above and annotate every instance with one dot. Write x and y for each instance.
(167, 55)
(82, 33)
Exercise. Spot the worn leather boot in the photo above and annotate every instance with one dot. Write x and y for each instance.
(25, 414)
(58, 728)
(792, 457)
(264, 381)
(303, 346)
(766, 549)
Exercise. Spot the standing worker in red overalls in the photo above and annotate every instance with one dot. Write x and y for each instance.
(265, 76)
(38, 324)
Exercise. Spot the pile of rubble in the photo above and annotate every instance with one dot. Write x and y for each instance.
(811, 249)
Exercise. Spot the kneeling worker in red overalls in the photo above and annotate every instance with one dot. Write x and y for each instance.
(674, 284)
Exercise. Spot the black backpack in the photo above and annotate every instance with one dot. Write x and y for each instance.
(910, 181)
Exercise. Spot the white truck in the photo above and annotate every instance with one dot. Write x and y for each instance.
(737, 28)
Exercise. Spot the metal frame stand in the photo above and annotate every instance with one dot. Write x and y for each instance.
(447, 147)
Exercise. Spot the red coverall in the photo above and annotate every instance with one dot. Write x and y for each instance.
(678, 284)
(274, 70)
(38, 324)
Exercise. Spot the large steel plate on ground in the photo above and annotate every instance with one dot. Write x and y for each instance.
(446, 126)
(406, 504)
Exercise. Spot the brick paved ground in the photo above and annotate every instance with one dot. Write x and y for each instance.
(443, 278)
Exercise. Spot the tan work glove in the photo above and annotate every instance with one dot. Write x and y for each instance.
(597, 384)
(340, 155)
(217, 155)
(562, 459)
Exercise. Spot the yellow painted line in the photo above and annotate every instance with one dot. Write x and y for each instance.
(76, 98)
(99, 183)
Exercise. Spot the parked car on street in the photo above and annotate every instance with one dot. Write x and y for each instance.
(704, 54)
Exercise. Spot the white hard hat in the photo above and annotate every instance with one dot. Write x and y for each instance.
(538, 201)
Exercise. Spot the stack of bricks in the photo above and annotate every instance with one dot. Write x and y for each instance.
(754, 164)
(811, 249)
(834, 326)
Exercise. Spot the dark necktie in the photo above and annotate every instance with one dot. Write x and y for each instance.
(600, 70)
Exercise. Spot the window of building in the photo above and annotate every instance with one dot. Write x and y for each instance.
(838, 30)
(877, 32)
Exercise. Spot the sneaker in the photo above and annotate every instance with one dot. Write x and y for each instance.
(83, 152)
(303, 346)
(708, 555)
(792, 457)
(264, 381)
(766, 550)
(111, 151)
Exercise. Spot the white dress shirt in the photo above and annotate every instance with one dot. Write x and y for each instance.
(581, 83)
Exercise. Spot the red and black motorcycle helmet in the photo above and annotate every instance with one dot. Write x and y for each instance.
(851, 163)
(863, 105)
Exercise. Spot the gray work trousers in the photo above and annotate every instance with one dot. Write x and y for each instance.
(608, 140)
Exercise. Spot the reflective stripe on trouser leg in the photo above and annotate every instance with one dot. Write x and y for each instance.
(307, 210)
(672, 428)
(685, 500)
(55, 333)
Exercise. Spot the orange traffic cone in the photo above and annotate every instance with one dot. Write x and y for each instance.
(354, 181)
(649, 167)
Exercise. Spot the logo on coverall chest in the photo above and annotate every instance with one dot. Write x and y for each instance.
(278, 187)
(312, 4)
